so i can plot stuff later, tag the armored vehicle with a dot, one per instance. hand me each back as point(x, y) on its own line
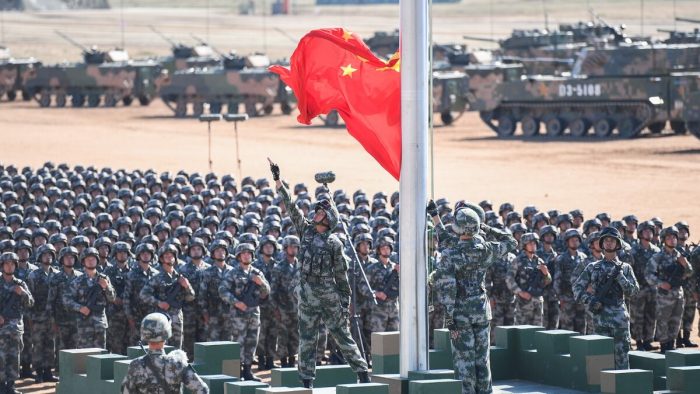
point(187, 56)
point(383, 43)
point(238, 80)
point(683, 37)
point(13, 74)
point(627, 89)
point(102, 77)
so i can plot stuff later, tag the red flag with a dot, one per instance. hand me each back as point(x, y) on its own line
point(334, 69)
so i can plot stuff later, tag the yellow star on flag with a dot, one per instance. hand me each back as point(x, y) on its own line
point(348, 70)
point(347, 35)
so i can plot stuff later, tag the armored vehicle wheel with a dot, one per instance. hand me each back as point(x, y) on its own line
point(331, 120)
point(232, 107)
point(579, 127)
point(93, 100)
point(657, 128)
point(215, 107)
point(197, 109)
point(286, 108)
point(267, 109)
point(678, 127)
point(555, 127)
point(446, 118)
point(628, 128)
point(251, 109)
point(110, 100)
point(77, 100)
point(61, 100)
point(506, 126)
point(127, 100)
point(44, 99)
point(694, 128)
point(11, 95)
point(180, 108)
point(530, 126)
point(26, 96)
point(603, 128)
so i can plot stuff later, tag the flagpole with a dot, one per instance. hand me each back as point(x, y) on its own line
point(415, 79)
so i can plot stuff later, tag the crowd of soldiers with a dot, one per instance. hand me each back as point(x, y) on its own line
point(93, 251)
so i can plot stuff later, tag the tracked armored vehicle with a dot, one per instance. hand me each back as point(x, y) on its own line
point(13, 74)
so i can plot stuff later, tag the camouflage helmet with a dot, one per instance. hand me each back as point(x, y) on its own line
point(673, 230)
point(476, 208)
point(68, 250)
point(646, 225)
point(630, 219)
point(156, 327)
point(267, 239)
point(121, 246)
point(89, 252)
point(168, 248)
point(506, 206)
point(46, 248)
point(530, 210)
point(564, 217)
point(9, 257)
point(548, 229)
point(592, 238)
point(683, 225)
point(527, 238)
point(332, 214)
point(290, 240)
point(145, 247)
point(103, 241)
point(218, 244)
point(363, 237)
point(248, 238)
point(385, 241)
point(517, 228)
point(610, 232)
point(572, 233)
point(196, 241)
point(244, 247)
point(595, 222)
point(467, 222)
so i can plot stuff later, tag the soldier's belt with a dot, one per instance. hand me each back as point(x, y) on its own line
point(318, 279)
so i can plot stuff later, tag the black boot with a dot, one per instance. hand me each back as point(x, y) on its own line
point(26, 372)
point(670, 345)
point(291, 361)
point(308, 383)
point(11, 388)
point(641, 345)
point(679, 340)
point(48, 376)
point(284, 363)
point(363, 377)
point(39, 376)
point(686, 339)
point(650, 345)
point(247, 375)
point(270, 362)
point(262, 363)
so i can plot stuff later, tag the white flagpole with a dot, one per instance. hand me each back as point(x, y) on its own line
point(415, 123)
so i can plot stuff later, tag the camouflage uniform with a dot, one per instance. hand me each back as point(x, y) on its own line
point(590, 320)
point(65, 319)
point(385, 314)
point(364, 300)
point(267, 343)
point(194, 330)
point(285, 278)
point(155, 291)
point(118, 335)
point(12, 329)
point(550, 307)
point(643, 304)
point(135, 308)
point(460, 280)
point(501, 298)
point(218, 327)
point(572, 314)
point(92, 329)
point(23, 270)
point(44, 353)
point(690, 304)
point(518, 278)
point(613, 320)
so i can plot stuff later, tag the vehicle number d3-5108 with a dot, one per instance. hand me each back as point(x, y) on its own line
point(580, 90)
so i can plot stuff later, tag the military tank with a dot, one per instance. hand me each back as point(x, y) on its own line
point(238, 80)
point(107, 77)
point(624, 89)
point(13, 74)
point(682, 37)
point(187, 56)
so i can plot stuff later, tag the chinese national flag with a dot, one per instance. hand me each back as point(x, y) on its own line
point(334, 69)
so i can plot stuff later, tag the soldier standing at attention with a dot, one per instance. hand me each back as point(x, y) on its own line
point(643, 304)
point(324, 290)
point(460, 281)
point(383, 276)
point(572, 314)
point(550, 308)
point(193, 325)
point(64, 319)
point(526, 278)
point(134, 308)
point(118, 331)
point(690, 291)
point(157, 372)
point(285, 278)
point(267, 344)
point(214, 310)
point(602, 286)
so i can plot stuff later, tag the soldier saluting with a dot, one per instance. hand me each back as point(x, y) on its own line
point(324, 290)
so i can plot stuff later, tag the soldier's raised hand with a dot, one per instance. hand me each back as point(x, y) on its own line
point(275, 169)
point(432, 208)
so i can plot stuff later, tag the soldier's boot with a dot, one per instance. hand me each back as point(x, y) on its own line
point(641, 345)
point(270, 362)
point(26, 371)
point(10, 388)
point(247, 375)
point(283, 362)
point(262, 363)
point(48, 376)
point(363, 377)
point(650, 346)
point(291, 361)
point(686, 339)
point(679, 340)
point(39, 376)
point(308, 383)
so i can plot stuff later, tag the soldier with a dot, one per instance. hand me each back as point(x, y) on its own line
point(266, 348)
point(285, 278)
point(193, 320)
point(383, 277)
point(572, 315)
point(595, 254)
point(643, 304)
point(690, 291)
point(242, 289)
point(157, 372)
point(134, 308)
point(62, 317)
point(501, 298)
point(89, 295)
point(214, 311)
point(24, 267)
point(527, 277)
point(43, 354)
point(363, 298)
point(602, 286)
point(104, 248)
point(324, 290)
point(168, 291)
point(118, 335)
point(460, 280)
point(550, 308)
point(16, 300)
point(667, 270)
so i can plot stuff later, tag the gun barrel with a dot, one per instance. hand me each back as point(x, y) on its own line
point(72, 41)
point(474, 38)
point(689, 20)
point(161, 35)
point(669, 31)
point(202, 42)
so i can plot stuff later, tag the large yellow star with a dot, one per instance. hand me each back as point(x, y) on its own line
point(348, 70)
point(347, 35)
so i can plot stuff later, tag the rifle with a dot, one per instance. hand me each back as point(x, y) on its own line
point(93, 296)
point(249, 297)
point(390, 285)
point(10, 307)
point(601, 296)
point(172, 293)
point(534, 283)
point(675, 275)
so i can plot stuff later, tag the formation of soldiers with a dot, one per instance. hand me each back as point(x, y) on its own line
point(98, 250)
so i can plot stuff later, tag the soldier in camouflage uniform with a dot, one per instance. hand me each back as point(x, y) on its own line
point(267, 344)
point(88, 295)
point(690, 290)
point(214, 311)
point(573, 314)
point(666, 271)
point(643, 304)
point(383, 277)
point(324, 290)
point(158, 373)
point(595, 254)
point(501, 298)
point(62, 317)
point(15, 300)
point(242, 289)
point(527, 277)
point(168, 291)
point(24, 268)
point(611, 317)
point(118, 335)
point(363, 297)
point(460, 280)
point(550, 307)
point(134, 308)
point(43, 354)
point(285, 278)
point(192, 314)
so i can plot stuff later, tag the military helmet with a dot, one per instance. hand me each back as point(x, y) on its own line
point(9, 257)
point(603, 217)
point(23, 244)
point(673, 230)
point(290, 240)
point(145, 247)
point(630, 219)
point(196, 241)
point(168, 248)
point(68, 250)
point(332, 214)
point(548, 229)
point(595, 222)
point(513, 216)
point(248, 238)
point(610, 232)
point(89, 252)
point(80, 240)
point(517, 228)
point(476, 208)
point(58, 237)
point(506, 206)
point(541, 217)
point(218, 244)
point(683, 225)
point(572, 233)
point(46, 248)
point(385, 241)
point(646, 225)
point(268, 239)
point(564, 217)
point(121, 246)
point(244, 247)
point(467, 222)
point(527, 238)
point(102, 241)
point(156, 327)
point(592, 237)
point(530, 210)
point(363, 237)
